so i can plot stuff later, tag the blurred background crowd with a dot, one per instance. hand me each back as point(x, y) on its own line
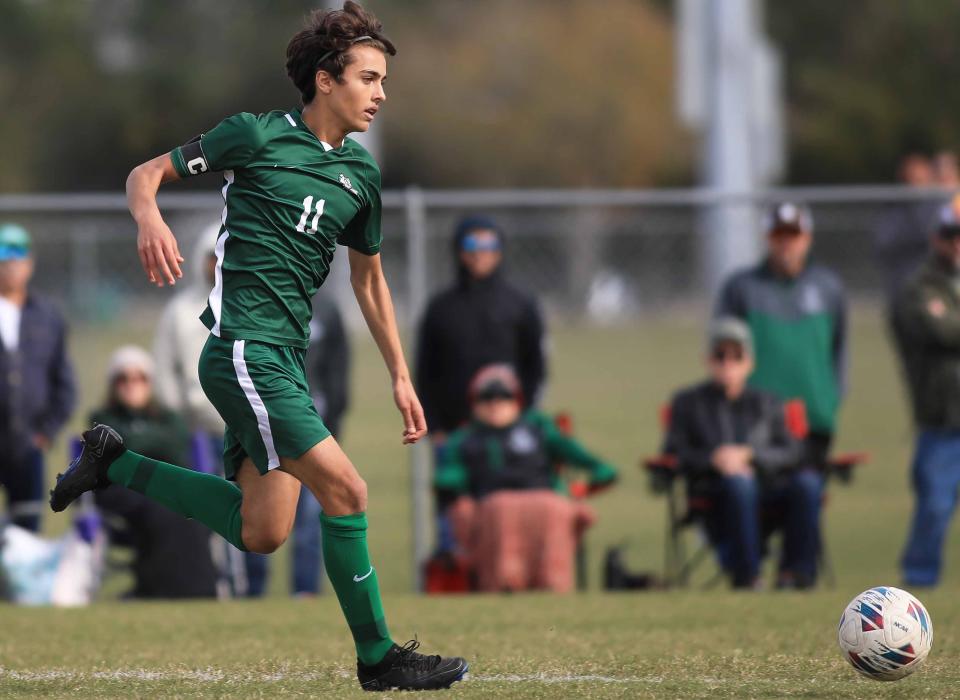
point(659, 247)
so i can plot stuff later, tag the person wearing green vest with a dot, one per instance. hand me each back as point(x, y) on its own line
point(294, 188)
point(797, 313)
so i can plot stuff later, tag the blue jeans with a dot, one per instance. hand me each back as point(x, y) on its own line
point(796, 506)
point(307, 555)
point(746, 514)
point(936, 476)
point(22, 478)
point(735, 528)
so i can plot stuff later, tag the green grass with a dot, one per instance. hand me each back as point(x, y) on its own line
point(662, 645)
point(670, 645)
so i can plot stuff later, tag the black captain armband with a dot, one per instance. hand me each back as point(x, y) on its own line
point(193, 159)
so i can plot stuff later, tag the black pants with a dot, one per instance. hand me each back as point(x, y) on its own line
point(818, 450)
point(172, 557)
point(22, 479)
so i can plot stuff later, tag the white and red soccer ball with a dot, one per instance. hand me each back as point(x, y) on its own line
point(885, 633)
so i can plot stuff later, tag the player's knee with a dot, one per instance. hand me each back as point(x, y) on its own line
point(356, 494)
point(264, 540)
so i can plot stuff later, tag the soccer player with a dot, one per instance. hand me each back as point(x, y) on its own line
point(294, 188)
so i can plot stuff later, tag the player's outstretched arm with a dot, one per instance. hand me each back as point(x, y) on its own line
point(156, 244)
point(373, 296)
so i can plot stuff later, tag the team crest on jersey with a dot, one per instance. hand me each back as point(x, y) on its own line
point(522, 440)
point(345, 181)
point(811, 300)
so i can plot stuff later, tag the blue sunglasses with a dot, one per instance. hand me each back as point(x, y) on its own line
point(476, 244)
point(13, 252)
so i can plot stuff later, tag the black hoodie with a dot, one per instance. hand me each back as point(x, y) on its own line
point(472, 324)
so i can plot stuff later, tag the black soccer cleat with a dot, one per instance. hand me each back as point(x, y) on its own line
point(404, 669)
point(101, 445)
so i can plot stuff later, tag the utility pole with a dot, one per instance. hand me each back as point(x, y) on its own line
point(729, 91)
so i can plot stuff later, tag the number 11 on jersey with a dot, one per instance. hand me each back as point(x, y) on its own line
point(307, 206)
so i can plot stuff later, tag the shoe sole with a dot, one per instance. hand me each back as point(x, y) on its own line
point(377, 687)
point(69, 487)
point(88, 471)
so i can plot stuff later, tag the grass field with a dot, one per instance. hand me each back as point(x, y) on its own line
point(670, 645)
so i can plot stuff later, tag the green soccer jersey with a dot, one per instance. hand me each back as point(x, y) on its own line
point(289, 199)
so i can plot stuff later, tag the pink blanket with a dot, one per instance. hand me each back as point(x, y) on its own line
point(521, 540)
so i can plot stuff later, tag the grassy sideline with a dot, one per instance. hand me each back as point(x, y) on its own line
point(646, 645)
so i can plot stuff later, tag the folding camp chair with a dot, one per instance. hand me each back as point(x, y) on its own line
point(685, 511)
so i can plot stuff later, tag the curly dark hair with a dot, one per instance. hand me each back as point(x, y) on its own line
point(325, 42)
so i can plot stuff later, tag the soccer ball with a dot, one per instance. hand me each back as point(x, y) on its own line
point(885, 633)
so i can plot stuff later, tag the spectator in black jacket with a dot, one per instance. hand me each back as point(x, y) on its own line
point(482, 319)
point(37, 388)
point(734, 447)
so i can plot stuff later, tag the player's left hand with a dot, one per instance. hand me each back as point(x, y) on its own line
point(414, 423)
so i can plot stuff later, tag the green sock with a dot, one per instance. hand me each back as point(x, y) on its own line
point(206, 498)
point(348, 566)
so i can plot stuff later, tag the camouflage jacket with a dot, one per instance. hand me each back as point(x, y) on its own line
point(926, 320)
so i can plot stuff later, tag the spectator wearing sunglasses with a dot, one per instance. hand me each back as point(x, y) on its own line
point(797, 313)
point(511, 511)
point(171, 555)
point(736, 453)
point(481, 319)
point(927, 321)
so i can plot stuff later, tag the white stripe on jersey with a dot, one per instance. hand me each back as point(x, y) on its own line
point(216, 296)
point(227, 181)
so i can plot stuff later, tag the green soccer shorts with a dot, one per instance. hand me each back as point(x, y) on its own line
point(261, 392)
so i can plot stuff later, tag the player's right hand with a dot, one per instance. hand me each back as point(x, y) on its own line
point(159, 253)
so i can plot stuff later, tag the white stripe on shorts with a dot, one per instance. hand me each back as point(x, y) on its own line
point(256, 403)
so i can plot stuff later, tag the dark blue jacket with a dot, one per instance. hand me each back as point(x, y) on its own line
point(37, 386)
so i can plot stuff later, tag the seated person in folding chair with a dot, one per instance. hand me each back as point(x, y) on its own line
point(514, 517)
point(736, 451)
point(172, 556)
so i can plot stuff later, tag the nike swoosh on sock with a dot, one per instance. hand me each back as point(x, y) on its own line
point(358, 579)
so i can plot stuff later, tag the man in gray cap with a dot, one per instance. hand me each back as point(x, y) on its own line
point(927, 329)
point(734, 448)
point(37, 388)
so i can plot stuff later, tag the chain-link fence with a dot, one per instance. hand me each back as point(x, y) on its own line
point(588, 255)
